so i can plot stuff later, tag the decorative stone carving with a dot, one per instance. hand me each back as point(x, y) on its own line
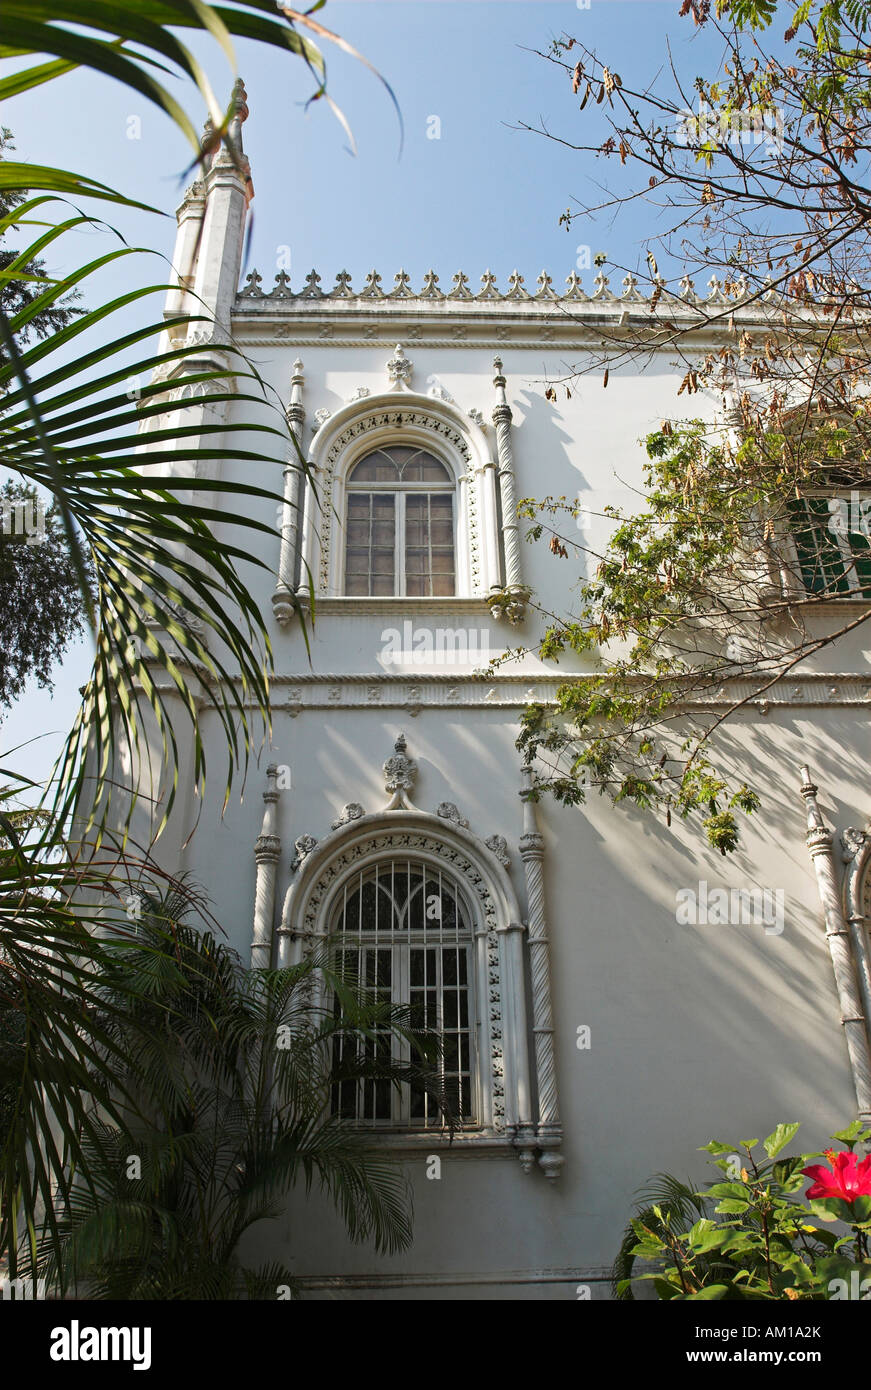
point(282, 288)
point(353, 811)
point(476, 417)
point(688, 290)
point(372, 288)
point(342, 288)
point(303, 846)
point(400, 773)
point(732, 291)
point(515, 286)
point(499, 845)
point(630, 288)
point(509, 604)
point(715, 291)
point(430, 288)
point(402, 287)
point(852, 841)
point(323, 415)
point(252, 290)
point(448, 811)
point(399, 369)
point(461, 287)
point(358, 394)
point(438, 391)
point(602, 282)
point(311, 288)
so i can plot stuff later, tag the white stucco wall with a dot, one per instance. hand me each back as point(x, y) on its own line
point(696, 1031)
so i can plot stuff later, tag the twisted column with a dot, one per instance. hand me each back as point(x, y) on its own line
point(267, 849)
point(283, 600)
point(510, 537)
point(549, 1133)
point(819, 842)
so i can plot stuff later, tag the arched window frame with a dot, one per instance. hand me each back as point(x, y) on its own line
point(503, 1064)
point(519, 1105)
point(419, 421)
point(400, 489)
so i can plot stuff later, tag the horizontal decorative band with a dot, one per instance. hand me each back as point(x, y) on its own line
point(730, 294)
point(596, 1274)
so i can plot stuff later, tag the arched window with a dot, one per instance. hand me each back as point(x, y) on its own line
point(831, 530)
point(400, 525)
point(403, 930)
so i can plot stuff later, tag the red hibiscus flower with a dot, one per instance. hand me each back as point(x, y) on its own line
point(847, 1178)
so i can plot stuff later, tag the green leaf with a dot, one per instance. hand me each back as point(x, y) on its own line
point(16, 177)
point(782, 1136)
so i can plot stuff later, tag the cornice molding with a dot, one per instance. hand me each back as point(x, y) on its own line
point(462, 688)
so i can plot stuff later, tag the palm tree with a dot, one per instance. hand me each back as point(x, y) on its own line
point(233, 1075)
point(161, 589)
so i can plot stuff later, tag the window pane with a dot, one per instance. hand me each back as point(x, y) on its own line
point(429, 544)
point(375, 468)
point(405, 936)
point(423, 468)
point(370, 543)
point(834, 558)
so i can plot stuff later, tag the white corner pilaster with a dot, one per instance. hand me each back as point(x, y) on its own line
point(819, 842)
point(284, 600)
point(549, 1129)
point(228, 191)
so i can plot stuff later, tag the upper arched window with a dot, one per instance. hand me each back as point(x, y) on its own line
point(400, 525)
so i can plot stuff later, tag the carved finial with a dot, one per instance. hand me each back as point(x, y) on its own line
point(502, 409)
point(461, 287)
point(430, 288)
point(342, 288)
point(715, 288)
point(240, 99)
point(252, 290)
point(238, 115)
point(630, 287)
point(401, 286)
point(400, 772)
point(816, 825)
point(602, 282)
point(295, 411)
point(372, 287)
point(312, 288)
point(267, 846)
point(281, 288)
point(516, 290)
point(574, 290)
point(209, 143)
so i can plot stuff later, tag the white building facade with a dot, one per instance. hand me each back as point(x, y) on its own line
point(592, 1037)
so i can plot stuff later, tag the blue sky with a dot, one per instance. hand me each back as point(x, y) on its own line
point(484, 195)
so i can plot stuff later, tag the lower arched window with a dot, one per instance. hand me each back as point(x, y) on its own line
point(403, 930)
